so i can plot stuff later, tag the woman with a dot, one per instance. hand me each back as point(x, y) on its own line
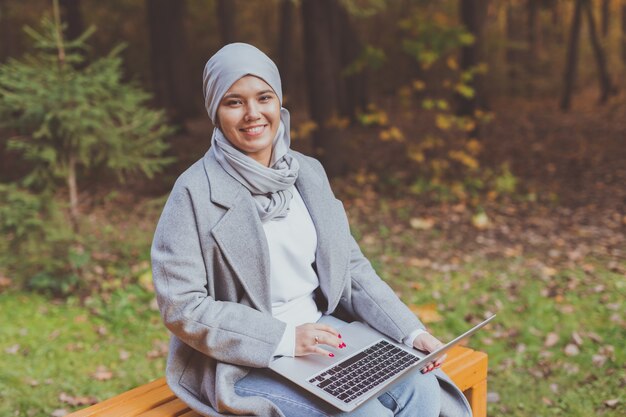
point(253, 258)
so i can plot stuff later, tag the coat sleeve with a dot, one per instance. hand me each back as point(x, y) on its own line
point(226, 331)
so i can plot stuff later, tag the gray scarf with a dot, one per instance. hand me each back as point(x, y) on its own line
point(271, 187)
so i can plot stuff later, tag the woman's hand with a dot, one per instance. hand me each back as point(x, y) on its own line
point(427, 343)
point(310, 336)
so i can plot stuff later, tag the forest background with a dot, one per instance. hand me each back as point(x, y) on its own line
point(478, 147)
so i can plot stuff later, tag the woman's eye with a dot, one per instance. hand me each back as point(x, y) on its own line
point(233, 102)
point(266, 98)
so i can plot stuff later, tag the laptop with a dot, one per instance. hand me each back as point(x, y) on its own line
point(364, 369)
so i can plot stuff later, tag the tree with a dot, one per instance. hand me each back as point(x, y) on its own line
point(606, 88)
point(73, 18)
point(606, 11)
point(533, 35)
point(226, 20)
point(168, 57)
point(472, 14)
point(331, 45)
point(285, 44)
point(624, 32)
point(584, 6)
point(71, 118)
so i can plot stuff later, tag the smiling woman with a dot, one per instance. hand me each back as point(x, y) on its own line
point(253, 259)
point(249, 117)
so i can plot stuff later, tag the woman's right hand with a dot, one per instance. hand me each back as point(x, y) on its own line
point(310, 336)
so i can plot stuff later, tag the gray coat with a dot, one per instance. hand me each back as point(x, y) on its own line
point(210, 264)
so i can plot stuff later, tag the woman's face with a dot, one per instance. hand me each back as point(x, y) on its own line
point(249, 117)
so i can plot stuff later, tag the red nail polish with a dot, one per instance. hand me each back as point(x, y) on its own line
point(343, 344)
point(339, 336)
point(332, 355)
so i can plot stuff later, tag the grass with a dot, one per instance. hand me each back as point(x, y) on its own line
point(556, 349)
point(54, 350)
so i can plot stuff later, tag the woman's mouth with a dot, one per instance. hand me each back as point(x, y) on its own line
point(253, 130)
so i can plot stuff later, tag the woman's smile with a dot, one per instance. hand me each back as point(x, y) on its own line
point(249, 117)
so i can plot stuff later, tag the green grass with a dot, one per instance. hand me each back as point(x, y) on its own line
point(529, 378)
point(49, 348)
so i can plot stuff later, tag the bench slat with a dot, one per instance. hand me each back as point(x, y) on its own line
point(173, 408)
point(101, 408)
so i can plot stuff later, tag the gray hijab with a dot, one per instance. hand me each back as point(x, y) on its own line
point(271, 187)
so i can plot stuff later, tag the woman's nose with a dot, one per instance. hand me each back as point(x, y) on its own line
point(252, 112)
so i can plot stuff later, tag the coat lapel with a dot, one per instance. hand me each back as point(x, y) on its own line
point(333, 250)
point(239, 234)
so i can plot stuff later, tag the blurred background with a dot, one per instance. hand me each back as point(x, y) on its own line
point(478, 147)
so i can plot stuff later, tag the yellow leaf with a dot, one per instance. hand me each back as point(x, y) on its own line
point(421, 223)
point(443, 122)
point(480, 220)
point(473, 146)
point(419, 85)
point(427, 313)
point(452, 63)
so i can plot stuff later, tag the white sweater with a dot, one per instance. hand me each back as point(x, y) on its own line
point(292, 242)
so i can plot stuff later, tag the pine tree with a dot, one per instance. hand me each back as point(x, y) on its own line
point(71, 116)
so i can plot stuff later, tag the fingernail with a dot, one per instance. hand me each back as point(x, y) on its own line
point(344, 345)
point(339, 336)
point(332, 355)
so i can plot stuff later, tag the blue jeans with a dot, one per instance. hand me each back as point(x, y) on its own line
point(416, 396)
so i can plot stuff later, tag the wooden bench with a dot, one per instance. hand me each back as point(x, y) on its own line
point(466, 367)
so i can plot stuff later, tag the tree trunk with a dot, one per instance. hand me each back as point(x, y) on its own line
point(473, 13)
point(353, 89)
point(533, 36)
point(603, 71)
point(73, 190)
point(168, 58)
point(285, 44)
point(606, 12)
point(322, 80)
point(514, 39)
point(73, 18)
point(572, 56)
point(226, 20)
point(624, 33)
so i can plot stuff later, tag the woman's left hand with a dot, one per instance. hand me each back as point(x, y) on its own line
point(427, 343)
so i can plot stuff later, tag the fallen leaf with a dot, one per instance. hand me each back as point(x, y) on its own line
point(59, 412)
point(80, 319)
point(419, 262)
point(598, 360)
point(101, 330)
point(102, 374)
point(124, 355)
point(571, 350)
point(551, 340)
point(84, 400)
point(160, 349)
point(612, 403)
point(547, 401)
point(480, 221)
point(493, 397)
point(427, 313)
point(577, 339)
point(12, 350)
point(421, 223)
point(595, 337)
point(4, 281)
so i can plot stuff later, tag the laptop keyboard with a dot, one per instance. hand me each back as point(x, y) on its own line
point(359, 374)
